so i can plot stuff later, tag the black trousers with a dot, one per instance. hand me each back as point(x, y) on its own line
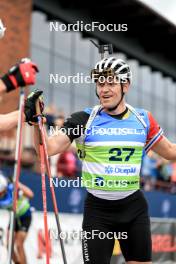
point(126, 219)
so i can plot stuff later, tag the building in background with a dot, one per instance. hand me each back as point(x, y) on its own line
point(67, 53)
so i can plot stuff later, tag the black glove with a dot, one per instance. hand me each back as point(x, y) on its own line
point(22, 74)
point(30, 106)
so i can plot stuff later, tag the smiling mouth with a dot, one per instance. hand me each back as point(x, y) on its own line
point(106, 97)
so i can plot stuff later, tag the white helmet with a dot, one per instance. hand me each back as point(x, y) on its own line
point(3, 183)
point(112, 65)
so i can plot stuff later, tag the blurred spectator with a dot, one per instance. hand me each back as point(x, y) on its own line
point(149, 171)
point(51, 112)
point(28, 157)
point(157, 173)
point(164, 170)
point(173, 175)
point(59, 120)
point(173, 178)
point(68, 164)
point(54, 118)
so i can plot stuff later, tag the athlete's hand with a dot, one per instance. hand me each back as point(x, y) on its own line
point(30, 107)
point(20, 75)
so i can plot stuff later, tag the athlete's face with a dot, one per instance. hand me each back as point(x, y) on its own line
point(110, 93)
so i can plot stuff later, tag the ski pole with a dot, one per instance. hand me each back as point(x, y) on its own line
point(16, 175)
point(42, 167)
point(56, 212)
point(17, 168)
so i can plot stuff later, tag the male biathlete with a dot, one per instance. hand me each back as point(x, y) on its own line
point(23, 214)
point(20, 75)
point(112, 149)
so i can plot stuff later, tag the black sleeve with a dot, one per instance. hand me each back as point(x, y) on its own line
point(74, 125)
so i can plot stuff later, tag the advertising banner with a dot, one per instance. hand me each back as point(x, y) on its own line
point(35, 242)
point(163, 240)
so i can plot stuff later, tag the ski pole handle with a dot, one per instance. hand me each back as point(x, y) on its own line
point(38, 113)
point(37, 107)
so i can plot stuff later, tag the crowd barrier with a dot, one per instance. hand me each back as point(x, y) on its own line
point(163, 240)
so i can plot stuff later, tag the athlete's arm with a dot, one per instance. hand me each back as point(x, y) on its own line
point(157, 142)
point(55, 144)
point(155, 133)
point(60, 142)
point(63, 137)
point(165, 148)
point(26, 190)
point(8, 121)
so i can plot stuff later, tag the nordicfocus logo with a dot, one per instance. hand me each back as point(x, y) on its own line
point(81, 78)
point(79, 235)
point(93, 182)
point(95, 130)
point(80, 26)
